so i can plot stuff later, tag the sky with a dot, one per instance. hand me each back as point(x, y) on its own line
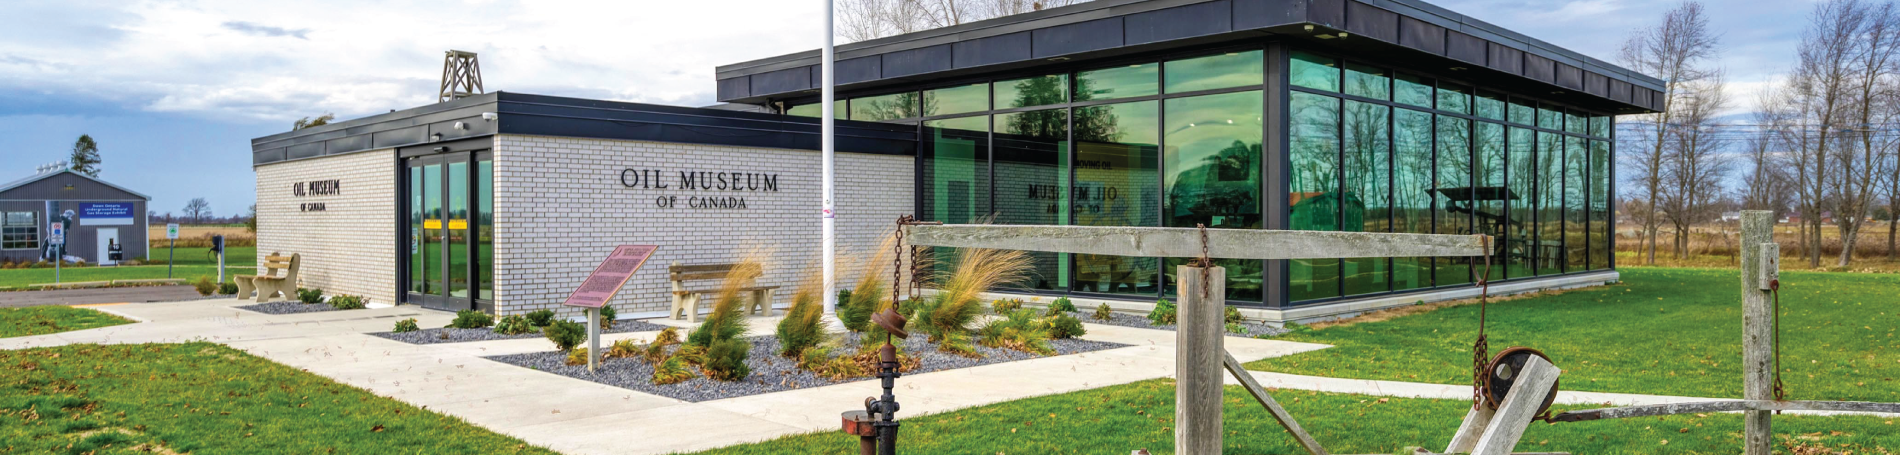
point(173, 91)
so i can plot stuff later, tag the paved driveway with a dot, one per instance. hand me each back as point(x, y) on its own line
point(141, 294)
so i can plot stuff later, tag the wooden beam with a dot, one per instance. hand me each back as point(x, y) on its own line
point(1476, 420)
point(1758, 334)
point(1519, 407)
point(1197, 339)
point(1699, 407)
point(1273, 407)
point(1186, 242)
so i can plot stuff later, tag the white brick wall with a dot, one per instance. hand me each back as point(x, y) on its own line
point(561, 207)
point(350, 247)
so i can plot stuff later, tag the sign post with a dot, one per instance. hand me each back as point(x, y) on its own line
point(171, 233)
point(601, 286)
point(58, 240)
point(217, 243)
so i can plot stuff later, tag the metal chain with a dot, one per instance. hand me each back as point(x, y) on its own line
point(1206, 263)
point(1480, 349)
point(1781, 391)
point(897, 258)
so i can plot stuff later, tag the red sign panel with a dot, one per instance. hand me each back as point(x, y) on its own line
point(610, 276)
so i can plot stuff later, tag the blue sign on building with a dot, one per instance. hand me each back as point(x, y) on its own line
point(106, 214)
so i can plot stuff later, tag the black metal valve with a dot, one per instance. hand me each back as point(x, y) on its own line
point(876, 426)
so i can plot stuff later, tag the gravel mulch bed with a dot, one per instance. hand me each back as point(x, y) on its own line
point(287, 307)
point(434, 336)
point(770, 372)
point(1142, 322)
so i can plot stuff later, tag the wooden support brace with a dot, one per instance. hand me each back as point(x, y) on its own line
point(1476, 421)
point(1273, 407)
point(1699, 407)
point(1528, 390)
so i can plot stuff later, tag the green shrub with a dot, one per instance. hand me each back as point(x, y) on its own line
point(672, 370)
point(204, 285)
point(1064, 326)
point(803, 326)
point(406, 325)
point(309, 295)
point(607, 316)
point(1102, 312)
point(1061, 305)
point(1019, 330)
point(1006, 306)
point(1235, 327)
point(856, 306)
point(540, 318)
point(1164, 313)
point(565, 334)
point(513, 325)
point(1232, 316)
point(347, 302)
point(725, 360)
point(623, 348)
point(227, 288)
point(471, 319)
point(726, 320)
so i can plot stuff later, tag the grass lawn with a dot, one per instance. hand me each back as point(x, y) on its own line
point(41, 320)
point(204, 398)
point(234, 255)
point(1122, 418)
point(23, 277)
point(1660, 331)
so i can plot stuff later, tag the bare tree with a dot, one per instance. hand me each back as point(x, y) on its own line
point(1862, 162)
point(861, 20)
point(197, 209)
point(1767, 185)
point(1676, 50)
point(1694, 166)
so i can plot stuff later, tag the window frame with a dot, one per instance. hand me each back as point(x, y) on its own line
point(31, 228)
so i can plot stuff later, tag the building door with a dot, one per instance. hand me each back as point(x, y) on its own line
point(450, 219)
point(107, 238)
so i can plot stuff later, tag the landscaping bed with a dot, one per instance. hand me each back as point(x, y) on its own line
point(453, 335)
point(286, 307)
point(1254, 329)
point(774, 373)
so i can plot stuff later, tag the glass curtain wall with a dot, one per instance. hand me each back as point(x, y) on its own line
point(1377, 150)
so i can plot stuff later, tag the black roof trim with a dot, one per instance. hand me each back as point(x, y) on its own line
point(737, 82)
point(542, 115)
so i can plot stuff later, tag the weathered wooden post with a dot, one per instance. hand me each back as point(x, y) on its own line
point(1758, 331)
point(1197, 360)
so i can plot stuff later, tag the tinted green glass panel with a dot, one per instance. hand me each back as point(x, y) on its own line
point(1523, 112)
point(1033, 91)
point(1313, 189)
point(1411, 191)
point(418, 235)
point(1368, 81)
point(957, 100)
point(1118, 82)
point(1490, 105)
point(1117, 183)
point(1212, 165)
point(1520, 244)
point(1366, 202)
point(1550, 197)
point(1453, 201)
point(1314, 71)
point(815, 110)
point(1550, 118)
point(1454, 98)
point(1413, 90)
point(885, 107)
point(485, 228)
point(1576, 215)
point(1600, 235)
point(1490, 193)
point(1600, 125)
point(1032, 174)
point(1574, 123)
point(956, 169)
point(1233, 69)
point(456, 236)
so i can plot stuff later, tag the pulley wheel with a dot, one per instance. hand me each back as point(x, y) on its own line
point(1503, 371)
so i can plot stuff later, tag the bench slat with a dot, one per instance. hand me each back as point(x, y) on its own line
point(277, 258)
point(698, 276)
point(716, 291)
point(273, 265)
point(701, 268)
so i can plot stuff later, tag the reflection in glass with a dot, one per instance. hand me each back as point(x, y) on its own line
point(456, 232)
point(1453, 195)
point(1489, 193)
point(1600, 125)
point(1411, 191)
point(1520, 248)
point(1576, 216)
point(1574, 123)
point(1367, 203)
point(815, 110)
point(1212, 164)
point(1523, 111)
point(1550, 197)
point(955, 156)
point(1600, 235)
point(1314, 71)
point(1032, 174)
point(1550, 118)
point(485, 228)
point(419, 233)
point(1232, 69)
point(1032, 91)
point(1454, 98)
point(1368, 81)
point(1413, 90)
point(1118, 82)
point(1117, 184)
point(1490, 105)
point(956, 100)
point(885, 107)
point(1313, 193)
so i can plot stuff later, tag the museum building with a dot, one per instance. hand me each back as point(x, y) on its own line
point(1339, 115)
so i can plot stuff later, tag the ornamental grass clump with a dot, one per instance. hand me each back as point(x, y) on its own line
point(540, 318)
point(656, 351)
point(804, 324)
point(725, 352)
point(204, 285)
point(1164, 313)
point(1019, 330)
point(625, 347)
point(471, 319)
point(1102, 313)
point(577, 357)
point(1061, 305)
point(607, 316)
point(856, 307)
point(673, 370)
point(513, 325)
point(565, 334)
point(1003, 307)
point(406, 325)
point(946, 316)
point(725, 360)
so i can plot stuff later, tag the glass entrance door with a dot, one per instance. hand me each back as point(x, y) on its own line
point(450, 222)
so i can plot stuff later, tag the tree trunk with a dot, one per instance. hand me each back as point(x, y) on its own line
point(1850, 233)
point(1814, 232)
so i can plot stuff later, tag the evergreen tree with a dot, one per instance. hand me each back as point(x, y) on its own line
point(85, 159)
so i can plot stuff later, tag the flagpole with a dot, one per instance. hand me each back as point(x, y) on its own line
point(827, 150)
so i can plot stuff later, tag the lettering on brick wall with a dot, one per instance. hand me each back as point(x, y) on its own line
point(311, 188)
point(700, 182)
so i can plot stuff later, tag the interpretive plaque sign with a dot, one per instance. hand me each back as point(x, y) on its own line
point(610, 276)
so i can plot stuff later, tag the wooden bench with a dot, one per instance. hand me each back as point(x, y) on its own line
point(270, 284)
point(686, 297)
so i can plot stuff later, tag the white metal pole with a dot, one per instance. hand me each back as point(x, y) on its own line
point(826, 149)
